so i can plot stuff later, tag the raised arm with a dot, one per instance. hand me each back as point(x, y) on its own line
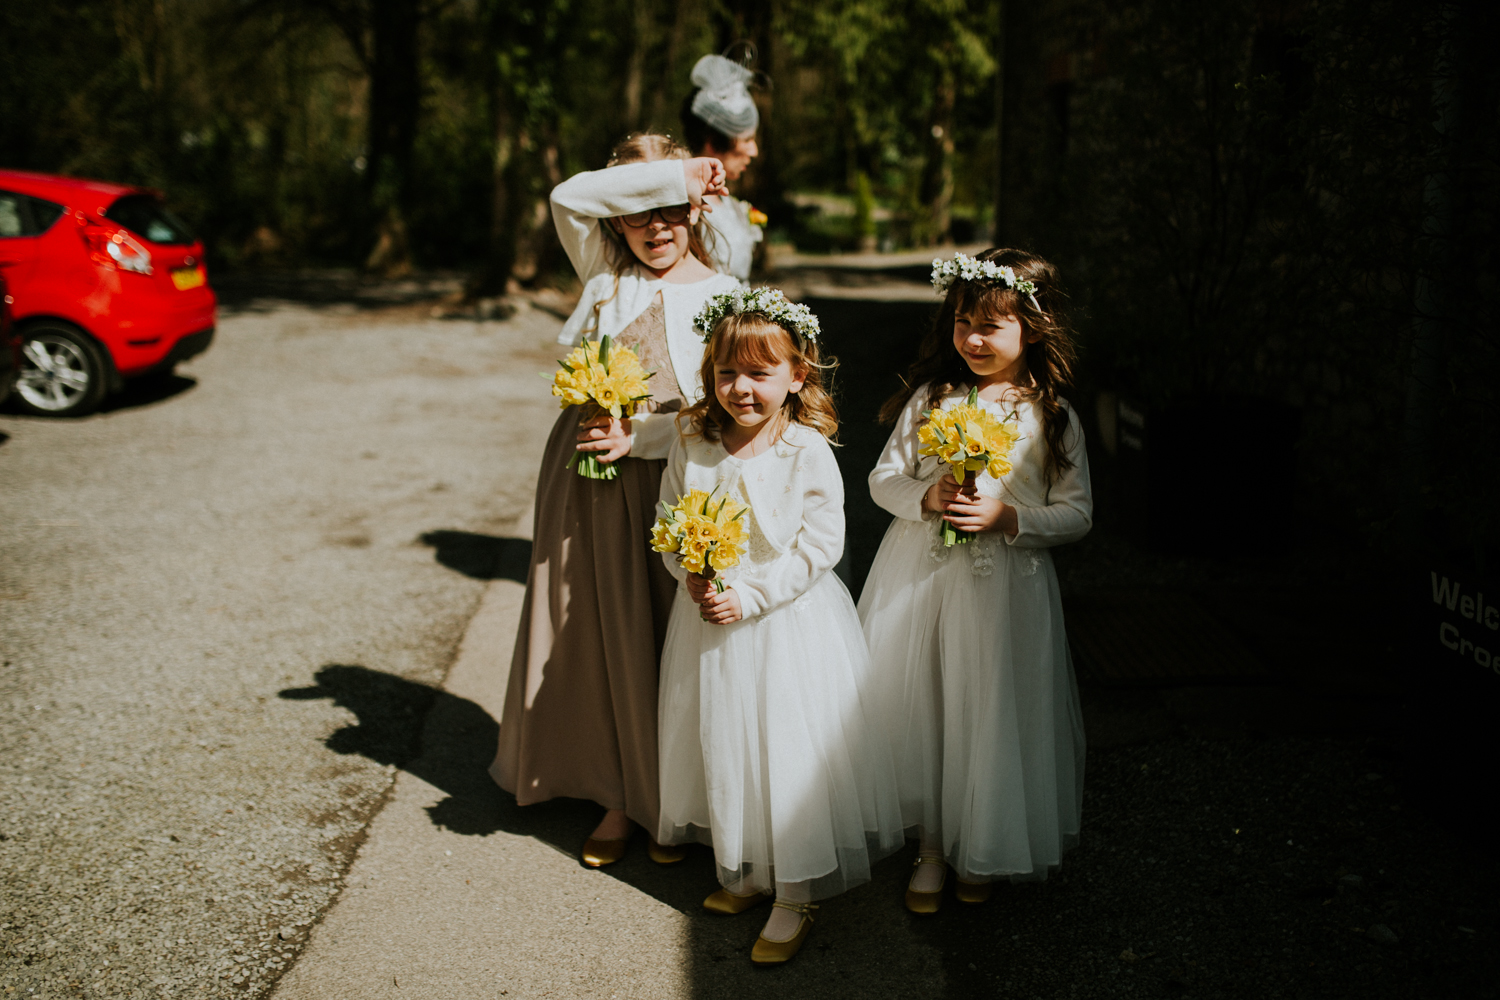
point(1069, 512)
point(817, 546)
point(581, 201)
point(894, 484)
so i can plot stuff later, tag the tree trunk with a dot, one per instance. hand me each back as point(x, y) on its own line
point(501, 259)
point(546, 251)
point(937, 172)
point(395, 100)
point(635, 66)
point(1013, 60)
point(997, 233)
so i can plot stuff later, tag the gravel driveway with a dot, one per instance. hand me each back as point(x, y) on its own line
point(169, 826)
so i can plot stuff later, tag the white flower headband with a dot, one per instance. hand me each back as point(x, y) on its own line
point(768, 302)
point(966, 268)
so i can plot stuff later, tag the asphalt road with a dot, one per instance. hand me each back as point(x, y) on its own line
point(174, 573)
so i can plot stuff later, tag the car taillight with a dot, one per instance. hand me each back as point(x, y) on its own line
point(119, 249)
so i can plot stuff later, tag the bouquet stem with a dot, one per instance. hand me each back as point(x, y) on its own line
point(952, 536)
point(587, 465)
point(709, 574)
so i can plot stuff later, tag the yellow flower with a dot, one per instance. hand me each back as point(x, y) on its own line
point(664, 537)
point(968, 439)
point(758, 218)
point(610, 377)
point(703, 530)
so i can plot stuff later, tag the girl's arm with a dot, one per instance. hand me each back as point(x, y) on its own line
point(893, 482)
point(581, 201)
point(818, 544)
point(1069, 513)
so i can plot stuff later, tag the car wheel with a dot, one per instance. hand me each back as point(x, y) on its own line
point(63, 372)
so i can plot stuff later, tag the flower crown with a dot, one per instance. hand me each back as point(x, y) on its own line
point(769, 302)
point(965, 268)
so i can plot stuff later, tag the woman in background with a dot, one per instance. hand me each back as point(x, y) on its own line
point(719, 120)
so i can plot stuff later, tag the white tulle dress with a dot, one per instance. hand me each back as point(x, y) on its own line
point(971, 672)
point(767, 748)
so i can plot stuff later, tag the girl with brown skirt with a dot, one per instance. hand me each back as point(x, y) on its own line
point(580, 708)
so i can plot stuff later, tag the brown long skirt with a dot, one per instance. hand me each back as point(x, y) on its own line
point(580, 709)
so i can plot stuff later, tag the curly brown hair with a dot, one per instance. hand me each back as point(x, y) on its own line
point(751, 337)
point(1048, 361)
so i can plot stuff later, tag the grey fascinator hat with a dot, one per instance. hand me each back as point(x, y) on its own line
point(723, 99)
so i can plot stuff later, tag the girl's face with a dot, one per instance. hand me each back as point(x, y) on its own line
point(994, 346)
point(753, 392)
point(659, 244)
point(736, 158)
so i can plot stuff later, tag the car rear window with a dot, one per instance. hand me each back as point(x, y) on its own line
point(145, 216)
point(23, 215)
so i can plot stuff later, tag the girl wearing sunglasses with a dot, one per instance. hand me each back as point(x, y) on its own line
point(580, 709)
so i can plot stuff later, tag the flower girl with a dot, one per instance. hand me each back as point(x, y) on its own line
point(766, 746)
point(970, 664)
point(580, 708)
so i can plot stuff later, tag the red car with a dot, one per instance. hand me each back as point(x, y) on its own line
point(105, 284)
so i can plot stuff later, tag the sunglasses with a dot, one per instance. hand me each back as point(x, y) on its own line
point(671, 215)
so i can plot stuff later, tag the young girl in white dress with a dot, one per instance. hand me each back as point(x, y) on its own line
point(580, 708)
point(767, 750)
point(971, 670)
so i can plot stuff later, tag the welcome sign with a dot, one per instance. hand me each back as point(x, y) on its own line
point(1454, 684)
point(1467, 625)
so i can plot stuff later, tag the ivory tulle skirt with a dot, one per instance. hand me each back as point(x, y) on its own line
point(972, 679)
point(767, 747)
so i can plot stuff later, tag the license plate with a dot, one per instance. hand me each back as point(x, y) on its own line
point(188, 277)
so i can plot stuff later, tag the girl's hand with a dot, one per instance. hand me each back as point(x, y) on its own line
point(700, 588)
point(704, 175)
point(944, 491)
point(720, 609)
point(608, 434)
point(970, 512)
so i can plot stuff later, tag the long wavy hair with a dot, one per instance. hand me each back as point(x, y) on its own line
point(1048, 366)
point(754, 339)
point(646, 147)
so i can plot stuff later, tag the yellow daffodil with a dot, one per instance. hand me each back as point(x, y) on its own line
point(968, 439)
point(707, 534)
point(609, 378)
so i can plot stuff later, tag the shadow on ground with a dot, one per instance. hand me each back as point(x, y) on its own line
point(449, 742)
point(144, 390)
point(259, 291)
point(481, 557)
point(147, 390)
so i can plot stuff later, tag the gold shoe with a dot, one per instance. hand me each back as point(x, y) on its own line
point(926, 902)
point(972, 892)
point(598, 853)
point(768, 952)
point(729, 903)
point(665, 854)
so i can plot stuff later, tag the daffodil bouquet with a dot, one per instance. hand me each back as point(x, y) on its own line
point(607, 377)
point(967, 438)
point(707, 536)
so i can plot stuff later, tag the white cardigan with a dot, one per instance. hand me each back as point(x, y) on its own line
point(579, 205)
point(796, 499)
point(1045, 517)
